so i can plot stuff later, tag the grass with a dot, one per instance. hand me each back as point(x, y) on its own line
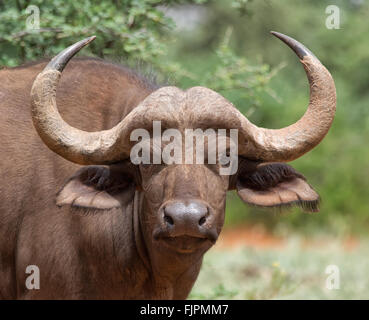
point(294, 271)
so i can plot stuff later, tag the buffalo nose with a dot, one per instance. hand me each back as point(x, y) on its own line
point(189, 215)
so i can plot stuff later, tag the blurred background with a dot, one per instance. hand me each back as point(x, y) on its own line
point(226, 46)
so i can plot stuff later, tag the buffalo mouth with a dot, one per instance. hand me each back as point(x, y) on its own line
point(183, 243)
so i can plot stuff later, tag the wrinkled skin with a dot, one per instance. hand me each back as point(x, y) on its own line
point(97, 232)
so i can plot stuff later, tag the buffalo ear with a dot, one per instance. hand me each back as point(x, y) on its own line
point(277, 185)
point(97, 187)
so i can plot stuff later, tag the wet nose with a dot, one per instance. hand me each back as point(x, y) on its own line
point(186, 216)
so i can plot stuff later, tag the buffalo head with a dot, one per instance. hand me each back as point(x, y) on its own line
point(183, 205)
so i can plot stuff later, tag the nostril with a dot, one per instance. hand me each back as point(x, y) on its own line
point(202, 220)
point(168, 220)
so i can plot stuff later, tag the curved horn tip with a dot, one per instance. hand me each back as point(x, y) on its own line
point(300, 50)
point(60, 61)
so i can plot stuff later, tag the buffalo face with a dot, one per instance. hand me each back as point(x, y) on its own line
point(185, 203)
point(182, 207)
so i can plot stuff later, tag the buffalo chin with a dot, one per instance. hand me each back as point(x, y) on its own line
point(184, 243)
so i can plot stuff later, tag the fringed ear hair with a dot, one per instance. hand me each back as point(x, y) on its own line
point(277, 185)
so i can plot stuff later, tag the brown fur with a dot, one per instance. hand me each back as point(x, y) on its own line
point(32, 229)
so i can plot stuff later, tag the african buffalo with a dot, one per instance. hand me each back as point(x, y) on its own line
point(100, 227)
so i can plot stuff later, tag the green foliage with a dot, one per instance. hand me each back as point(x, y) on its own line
point(241, 5)
point(129, 28)
point(231, 75)
point(233, 72)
